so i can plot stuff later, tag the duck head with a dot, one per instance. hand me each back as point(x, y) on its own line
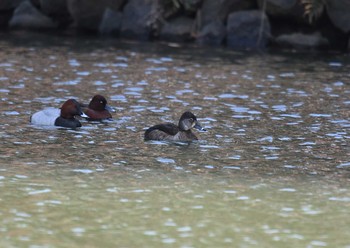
point(70, 109)
point(99, 103)
point(188, 121)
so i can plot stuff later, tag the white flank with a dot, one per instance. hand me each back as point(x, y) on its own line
point(46, 117)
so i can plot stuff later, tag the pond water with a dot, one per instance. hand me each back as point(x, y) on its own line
point(273, 169)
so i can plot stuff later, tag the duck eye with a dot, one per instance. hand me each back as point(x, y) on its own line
point(101, 102)
point(191, 120)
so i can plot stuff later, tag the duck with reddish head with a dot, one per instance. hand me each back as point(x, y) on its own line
point(64, 117)
point(172, 132)
point(98, 109)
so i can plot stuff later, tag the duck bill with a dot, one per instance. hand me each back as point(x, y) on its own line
point(109, 108)
point(199, 127)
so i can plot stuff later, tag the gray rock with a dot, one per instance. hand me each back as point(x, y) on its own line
point(56, 9)
point(283, 8)
point(10, 4)
point(212, 34)
point(87, 14)
point(302, 41)
point(177, 30)
point(248, 29)
point(338, 11)
point(214, 10)
point(111, 22)
point(6, 9)
point(140, 18)
point(27, 16)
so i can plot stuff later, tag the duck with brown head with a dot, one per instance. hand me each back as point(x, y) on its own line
point(97, 109)
point(172, 132)
point(64, 117)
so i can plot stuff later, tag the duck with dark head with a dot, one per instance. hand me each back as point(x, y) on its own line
point(63, 117)
point(172, 132)
point(97, 109)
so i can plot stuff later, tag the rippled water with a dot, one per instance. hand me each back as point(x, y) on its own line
point(272, 171)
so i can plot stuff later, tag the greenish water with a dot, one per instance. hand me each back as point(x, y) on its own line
point(273, 169)
point(152, 208)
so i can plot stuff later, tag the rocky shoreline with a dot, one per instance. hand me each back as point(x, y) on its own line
point(237, 24)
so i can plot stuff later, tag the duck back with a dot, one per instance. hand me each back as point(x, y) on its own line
point(46, 117)
point(170, 132)
point(161, 132)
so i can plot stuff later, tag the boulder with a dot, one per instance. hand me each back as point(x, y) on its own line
point(284, 9)
point(87, 14)
point(140, 18)
point(212, 34)
point(338, 11)
point(191, 6)
point(219, 9)
point(56, 9)
point(7, 8)
point(27, 16)
point(212, 16)
point(177, 30)
point(10, 4)
point(111, 22)
point(302, 41)
point(248, 29)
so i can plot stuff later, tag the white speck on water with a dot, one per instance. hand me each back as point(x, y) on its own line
point(287, 75)
point(73, 62)
point(335, 64)
point(166, 160)
point(78, 230)
point(320, 115)
point(11, 113)
point(84, 171)
point(184, 229)
point(150, 233)
point(344, 165)
point(83, 73)
point(36, 192)
point(288, 190)
point(71, 82)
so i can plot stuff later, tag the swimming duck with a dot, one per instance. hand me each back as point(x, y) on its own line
point(172, 132)
point(97, 109)
point(64, 117)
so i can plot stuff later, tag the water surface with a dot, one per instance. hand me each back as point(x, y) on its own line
point(272, 170)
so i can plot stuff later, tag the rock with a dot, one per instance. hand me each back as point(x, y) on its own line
point(140, 18)
point(7, 8)
point(87, 14)
point(191, 5)
point(10, 4)
point(177, 30)
point(302, 41)
point(338, 11)
point(111, 22)
point(212, 16)
point(214, 10)
point(283, 8)
point(27, 16)
point(212, 34)
point(248, 29)
point(56, 9)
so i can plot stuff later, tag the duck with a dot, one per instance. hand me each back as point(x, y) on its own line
point(97, 109)
point(172, 132)
point(63, 117)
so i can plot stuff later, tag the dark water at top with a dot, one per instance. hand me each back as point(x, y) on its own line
point(272, 171)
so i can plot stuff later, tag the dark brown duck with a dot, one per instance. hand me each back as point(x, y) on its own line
point(97, 109)
point(172, 132)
